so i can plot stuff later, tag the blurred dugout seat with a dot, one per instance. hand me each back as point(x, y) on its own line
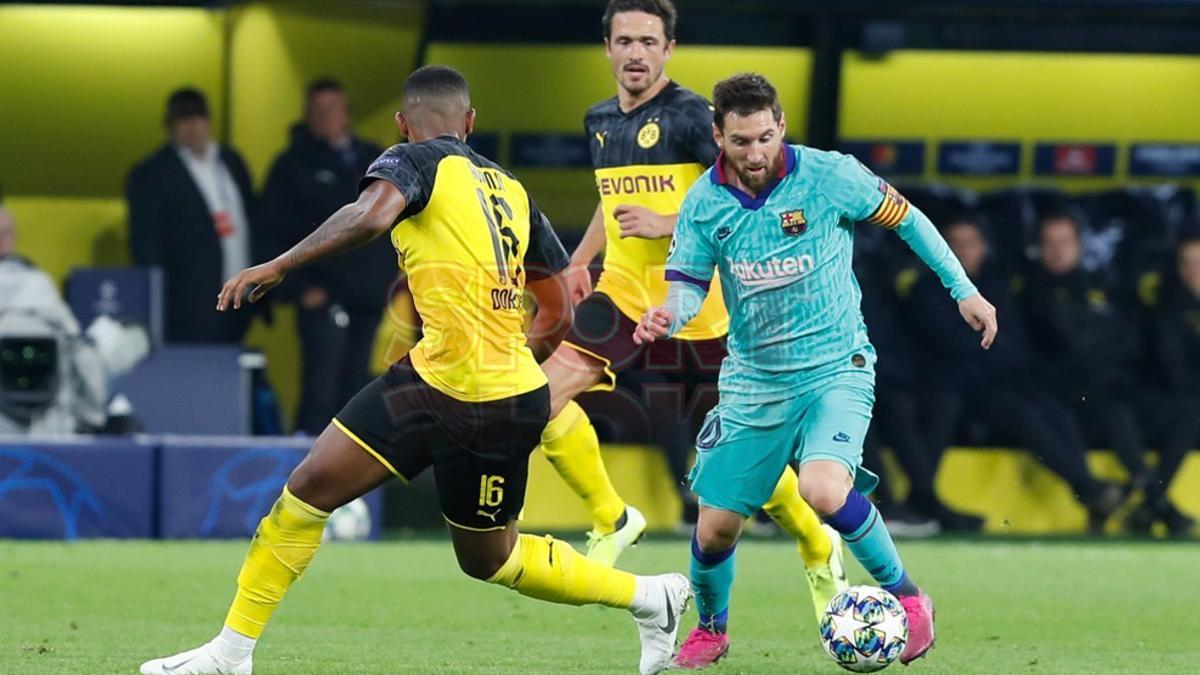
point(1134, 230)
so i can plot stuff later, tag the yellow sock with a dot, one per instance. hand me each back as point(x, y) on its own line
point(549, 569)
point(798, 519)
point(281, 550)
point(570, 443)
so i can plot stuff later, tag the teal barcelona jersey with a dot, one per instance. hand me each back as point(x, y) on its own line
point(785, 263)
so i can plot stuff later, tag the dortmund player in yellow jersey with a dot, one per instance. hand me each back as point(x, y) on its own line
point(649, 144)
point(469, 399)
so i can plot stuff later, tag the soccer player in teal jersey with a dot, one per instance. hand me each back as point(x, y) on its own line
point(777, 221)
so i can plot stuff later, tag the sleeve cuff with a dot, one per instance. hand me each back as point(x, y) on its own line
point(963, 291)
point(676, 275)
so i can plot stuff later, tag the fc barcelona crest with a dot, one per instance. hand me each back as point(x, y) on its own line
point(793, 222)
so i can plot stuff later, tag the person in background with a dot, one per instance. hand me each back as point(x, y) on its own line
point(23, 285)
point(52, 378)
point(896, 421)
point(190, 213)
point(1083, 332)
point(340, 301)
point(997, 386)
point(1175, 370)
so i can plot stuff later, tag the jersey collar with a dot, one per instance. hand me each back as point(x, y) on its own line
point(718, 177)
point(671, 86)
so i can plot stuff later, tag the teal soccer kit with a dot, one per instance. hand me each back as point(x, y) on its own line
point(798, 383)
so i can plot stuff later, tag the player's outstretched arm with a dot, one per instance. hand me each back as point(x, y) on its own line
point(555, 314)
point(349, 227)
point(924, 239)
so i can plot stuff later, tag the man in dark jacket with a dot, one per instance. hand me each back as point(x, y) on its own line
point(997, 386)
point(897, 414)
point(1172, 406)
point(1084, 333)
point(340, 302)
point(190, 208)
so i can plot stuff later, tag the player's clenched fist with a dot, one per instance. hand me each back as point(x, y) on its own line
point(654, 324)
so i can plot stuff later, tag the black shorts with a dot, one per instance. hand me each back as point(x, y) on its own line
point(479, 451)
point(603, 332)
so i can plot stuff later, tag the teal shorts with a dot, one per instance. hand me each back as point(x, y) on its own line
point(742, 449)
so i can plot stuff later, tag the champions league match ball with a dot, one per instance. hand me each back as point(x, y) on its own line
point(349, 523)
point(864, 629)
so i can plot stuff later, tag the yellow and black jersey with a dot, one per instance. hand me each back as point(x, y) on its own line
point(649, 157)
point(468, 239)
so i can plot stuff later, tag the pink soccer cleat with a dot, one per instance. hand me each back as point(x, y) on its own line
point(701, 649)
point(919, 610)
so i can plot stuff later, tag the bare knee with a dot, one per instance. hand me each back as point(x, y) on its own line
point(310, 484)
point(824, 485)
point(481, 566)
point(717, 530)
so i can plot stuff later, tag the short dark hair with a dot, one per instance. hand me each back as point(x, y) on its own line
point(1188, 239)
point(744, 94)
point(186, 102)
point(968, 218)
point(322, 84)
point(663, 9)
point(960, 219)
point(1058, 214)
point(435, 82)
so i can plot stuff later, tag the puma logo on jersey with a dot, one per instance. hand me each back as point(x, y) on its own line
point(490, 516)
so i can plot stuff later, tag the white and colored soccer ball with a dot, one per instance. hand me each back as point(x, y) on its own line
point(350, 522)
point(864, 629)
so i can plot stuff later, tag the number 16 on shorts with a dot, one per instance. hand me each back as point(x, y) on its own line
point(491, 490)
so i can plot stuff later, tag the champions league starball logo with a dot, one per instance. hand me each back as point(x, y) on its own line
point(244, 488)
point(36, 478)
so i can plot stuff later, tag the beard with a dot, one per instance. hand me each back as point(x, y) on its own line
point(759, 181)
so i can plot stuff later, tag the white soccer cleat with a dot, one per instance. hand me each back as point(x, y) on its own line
point(200, 661)
point(658, 631)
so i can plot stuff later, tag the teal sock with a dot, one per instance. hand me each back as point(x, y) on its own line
point(712, 580)
point(866, 536)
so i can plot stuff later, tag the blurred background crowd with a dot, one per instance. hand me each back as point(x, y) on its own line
point(1093, 263)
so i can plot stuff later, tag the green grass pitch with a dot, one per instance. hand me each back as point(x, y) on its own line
point(403, 607)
